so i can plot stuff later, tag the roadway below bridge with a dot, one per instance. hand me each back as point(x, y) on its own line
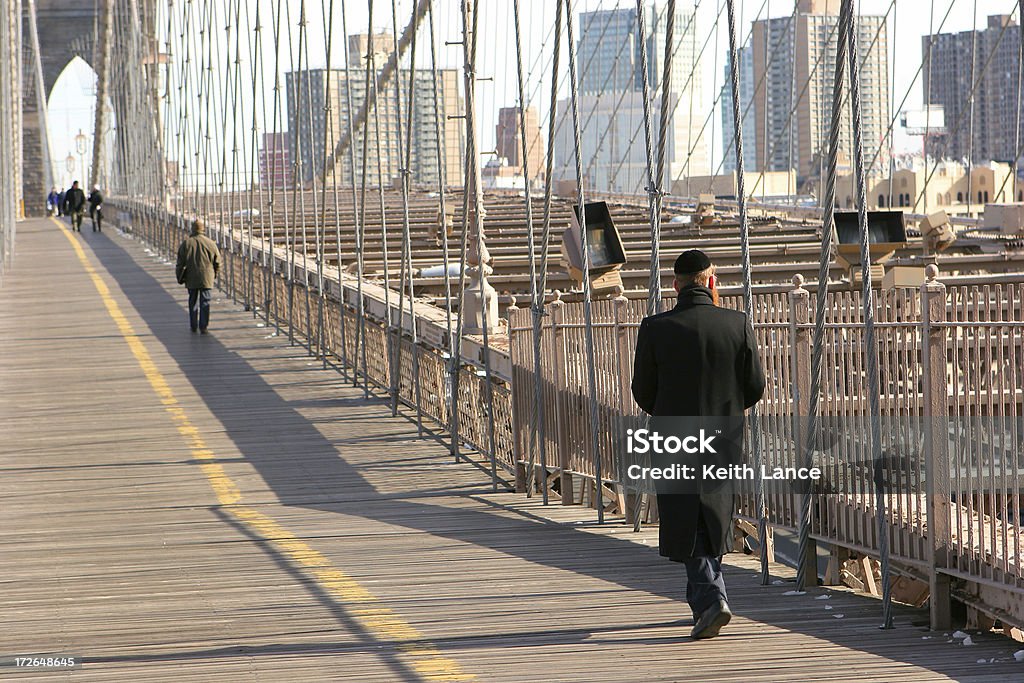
point(222, 507)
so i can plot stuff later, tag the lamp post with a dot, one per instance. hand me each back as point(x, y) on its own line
point(80, 141)
point(70, 163)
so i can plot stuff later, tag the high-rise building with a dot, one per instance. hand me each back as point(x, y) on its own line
point(360, 44)
point(949, 81)
point(509, 141)
point(275, 161)
point(321, 120)
point(611, 100)
point(746, 74)
point(794, 67)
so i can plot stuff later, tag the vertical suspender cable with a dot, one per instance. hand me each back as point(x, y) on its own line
point(405, 270)
point(821, 301)
point(540, 433)
point(870, 347)
point(1020, 93)
point(653, 188)
point(276, 314)
point(357, 213)
point(588, 318)
point(755, 429)
point(970, 116)
point(317, 233)
point(667, 109)
point(889, 133)
point(470, 44)
point(440, 126)
point(328, 126)
point(258, 93)
point(295, 143)
point(361, 228)
point(927, 93)
point(389, 338)
point(537, 408)
point(303, 74)
point(470, 195)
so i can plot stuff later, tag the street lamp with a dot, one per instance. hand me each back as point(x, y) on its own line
point(80, 141)
point(70, 163)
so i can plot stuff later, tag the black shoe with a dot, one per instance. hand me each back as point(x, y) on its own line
point(712, 621)
point(194, 330)
point(202, 330)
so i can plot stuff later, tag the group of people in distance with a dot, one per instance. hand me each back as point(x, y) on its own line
point(71, 203)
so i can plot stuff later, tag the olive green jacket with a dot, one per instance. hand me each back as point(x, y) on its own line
point(198, 262)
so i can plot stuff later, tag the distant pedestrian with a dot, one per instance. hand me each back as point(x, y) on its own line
point(96, 209)
point(52, 202)
point(698, 361)
point(60, 202)
point(197, 268)
point(74, 206)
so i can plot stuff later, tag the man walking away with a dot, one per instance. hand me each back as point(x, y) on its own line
point(74, 205)
point(698, 360)
point(197, 268)
point(96, 209)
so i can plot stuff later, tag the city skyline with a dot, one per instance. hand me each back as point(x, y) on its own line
point(908, 26)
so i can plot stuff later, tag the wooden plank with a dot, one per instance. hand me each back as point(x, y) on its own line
point(116, 548)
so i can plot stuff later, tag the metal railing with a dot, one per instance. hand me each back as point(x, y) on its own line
point(952, 380)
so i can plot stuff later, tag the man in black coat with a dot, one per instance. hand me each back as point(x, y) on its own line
point(74, 206)
point(96, 208)
point(698, 361)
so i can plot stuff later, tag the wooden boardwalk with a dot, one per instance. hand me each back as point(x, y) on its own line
point(183, 507)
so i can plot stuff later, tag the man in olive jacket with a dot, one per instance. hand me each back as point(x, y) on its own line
point(698, 360)
point(197, 268)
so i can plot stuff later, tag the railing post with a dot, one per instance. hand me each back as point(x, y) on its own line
point(519, 393)
point(558, 382)
point(936, 444)
point(630, 498)
point(800, 367)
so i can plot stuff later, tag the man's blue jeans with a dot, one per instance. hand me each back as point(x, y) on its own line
point(199, 308)
point(705, 584)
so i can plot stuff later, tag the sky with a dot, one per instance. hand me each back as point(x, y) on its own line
point(908, 20)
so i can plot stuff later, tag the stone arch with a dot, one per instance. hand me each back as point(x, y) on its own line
point(65, 32)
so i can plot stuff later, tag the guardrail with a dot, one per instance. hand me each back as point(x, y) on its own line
point(950, 363)
point(360, 326)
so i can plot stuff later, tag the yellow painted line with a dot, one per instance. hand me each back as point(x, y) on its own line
point(381, 621)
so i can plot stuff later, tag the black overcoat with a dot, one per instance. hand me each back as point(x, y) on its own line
point(696, 360)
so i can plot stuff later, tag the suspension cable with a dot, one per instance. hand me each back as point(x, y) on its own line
point(755, 432)
point(868, 302)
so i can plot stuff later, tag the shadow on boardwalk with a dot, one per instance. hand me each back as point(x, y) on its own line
point(318, 476)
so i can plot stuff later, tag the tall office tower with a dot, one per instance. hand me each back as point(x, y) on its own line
point(509, 141)
point(794, 67)
point(313, 93)
point(746, 73)
point(949, 82)
point(611, 100)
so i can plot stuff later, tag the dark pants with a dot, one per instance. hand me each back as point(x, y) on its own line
point(76, 220)
point(705, 584)
point(199, 308)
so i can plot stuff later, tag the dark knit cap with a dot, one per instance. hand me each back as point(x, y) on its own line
point(691, 261)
